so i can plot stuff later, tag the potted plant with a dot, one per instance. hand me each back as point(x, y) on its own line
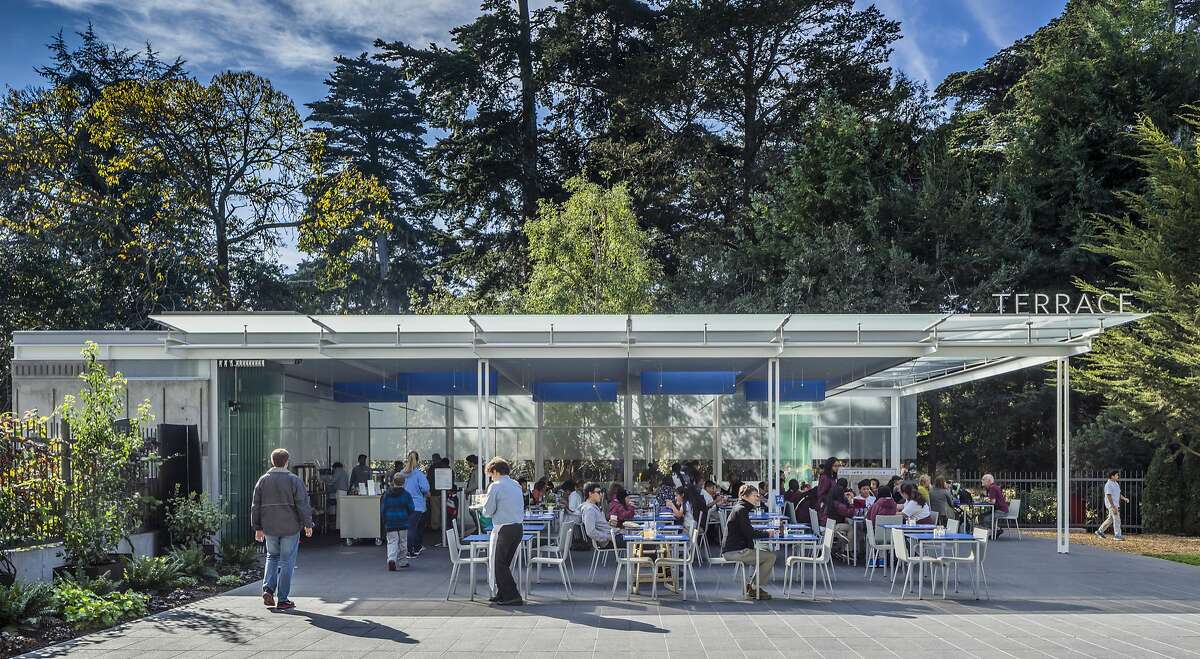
point(193, 519)
point(101, 504)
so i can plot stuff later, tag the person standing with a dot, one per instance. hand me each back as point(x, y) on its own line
point(505, 506)
point(397, 508)
point(361, 473)
point(1112, 501)
point(418, 488)
point(279, 510)
point(739, 541)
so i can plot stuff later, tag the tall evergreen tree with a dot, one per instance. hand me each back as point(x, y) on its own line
point(371, 120)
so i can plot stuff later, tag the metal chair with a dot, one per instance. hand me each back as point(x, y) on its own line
point(627, 562)
point(599, 553)
point(457, 560)
point(558, 558)
point(1013, 516)
point(875, 549)
point(684, 563)
point(822, 560)
point(900, 548)
point(737, 567)
point(981, 536)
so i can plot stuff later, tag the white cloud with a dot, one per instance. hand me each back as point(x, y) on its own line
point(982, 13)
point(912, 58)
point(291, 35)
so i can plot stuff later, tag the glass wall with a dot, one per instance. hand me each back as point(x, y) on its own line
point(583, 441)
point(670, 429)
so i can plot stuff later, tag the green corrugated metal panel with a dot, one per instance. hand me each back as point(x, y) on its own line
point(247, 438)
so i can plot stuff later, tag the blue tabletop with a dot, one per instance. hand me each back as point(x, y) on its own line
point(661, 537)
point(484, 537)
point(948, 536)
point(539, 517)
point(534, 527)
point(911, 527)
point(792, 537)
point(977, 503)
point(765, 515)
point(666, 527)
point(648, 518)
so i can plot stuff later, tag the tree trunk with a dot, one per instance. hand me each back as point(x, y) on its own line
point(529, 185)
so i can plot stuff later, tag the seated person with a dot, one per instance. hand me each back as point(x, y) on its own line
point(941, 501)
point(865, 496)
point(739, 541)
point(764, 492)
point(666, 490)
point(808, 501)
point(793, 493)
point(837, 509)
point(712, 496)
point(915, 506)
point(681, 508)
point(621, 508)
point(595, 525)
point(884, 504)
point(994, 494)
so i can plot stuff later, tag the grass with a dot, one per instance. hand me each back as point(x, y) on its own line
point(1188, 559)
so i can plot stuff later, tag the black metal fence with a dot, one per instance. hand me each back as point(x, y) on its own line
point(35, 475)
point(1038, 492)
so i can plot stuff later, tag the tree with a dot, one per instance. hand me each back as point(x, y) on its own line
point(372, 120)
point(589, 256)
point(1149, 369)
point(101, 502)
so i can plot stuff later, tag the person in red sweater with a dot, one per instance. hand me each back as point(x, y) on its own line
point(996, 495)
point(884, 504)
point(620, 508)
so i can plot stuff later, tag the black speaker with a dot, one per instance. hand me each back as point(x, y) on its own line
point(179, 448)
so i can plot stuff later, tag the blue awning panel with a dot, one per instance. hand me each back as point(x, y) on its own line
point(688, 382)
point(574, 392)
point(446, 383)
point(789, 390)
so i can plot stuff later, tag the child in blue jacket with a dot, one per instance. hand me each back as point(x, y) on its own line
point(396, 506)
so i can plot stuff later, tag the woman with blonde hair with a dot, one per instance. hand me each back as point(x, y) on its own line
point(417, 485)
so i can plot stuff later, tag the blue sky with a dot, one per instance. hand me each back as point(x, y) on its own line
point(292, 42)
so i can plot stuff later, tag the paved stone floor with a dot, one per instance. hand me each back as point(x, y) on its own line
point(1092, 603)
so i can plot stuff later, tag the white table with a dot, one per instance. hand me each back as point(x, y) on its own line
point(794, 539)
point(665, 540)
point(956, 539)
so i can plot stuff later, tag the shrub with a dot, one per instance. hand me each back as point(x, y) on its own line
point(193, 519)
point(192, 562)
point(26, 605)
point(183, 583)
point(83, 609)
point(239, 556)
point(101, 585)
point(152, 573)
point(102, 503)
point(1163, 509)
point(229, 581)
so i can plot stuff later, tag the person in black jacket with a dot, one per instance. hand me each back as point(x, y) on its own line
point(740, 537)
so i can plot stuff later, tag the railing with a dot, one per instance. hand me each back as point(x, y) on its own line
point(35, 474)
point(1038, 493)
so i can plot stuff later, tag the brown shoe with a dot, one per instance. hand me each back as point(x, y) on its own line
point(268, 598)
point(763, 595)
point(391, 566)
point(284, 605)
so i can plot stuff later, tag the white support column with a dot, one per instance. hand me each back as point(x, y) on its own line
point(482, 384)
point(1062, 406)
point(894, 447)
point(716, 470)
point(778, 466)
point(627, 432)
point(772, 429)
point(213, 454)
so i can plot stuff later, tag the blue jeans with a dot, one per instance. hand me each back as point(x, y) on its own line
point(416, 529)
point(281, 560)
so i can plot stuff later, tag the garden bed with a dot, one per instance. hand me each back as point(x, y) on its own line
point(1157, 545)
point(56, 630)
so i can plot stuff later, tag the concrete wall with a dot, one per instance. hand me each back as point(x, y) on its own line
point(313, 426)
point(38, 563)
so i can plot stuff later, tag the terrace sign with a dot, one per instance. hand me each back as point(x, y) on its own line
point(1060, 303)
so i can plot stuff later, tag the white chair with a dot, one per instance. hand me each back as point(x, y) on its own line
point(789, 509)
point(560, 547)
point(900, 548)
point(701, 553)
point(457, 560)
point(981, 536)
point(626, 562)
point(556, 558)
point(684, 563)
point(952, 526)
point(600, 554)
point(1013, 516)
point(875, 551)
point(933, 518)
point(822, 560)
point(737, 567)
point(814, 521)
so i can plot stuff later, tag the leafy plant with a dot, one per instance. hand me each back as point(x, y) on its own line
point(26, 605)
point(192, 562)
point(193, 519)
point(229, 581)
point(101, 585)
point(85, 609)
point(152, 573)
point(183, 583)
point(237, 555)
point(101, 503)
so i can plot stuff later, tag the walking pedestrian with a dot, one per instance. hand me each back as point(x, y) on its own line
point(417, 485)
point(1112, 501)
point(397, 508)
point(279, 510)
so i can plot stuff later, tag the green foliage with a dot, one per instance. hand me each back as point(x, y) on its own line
point(589, 256)
point(1186, 559)
point(1040, 504)
point(152, 573)
point(1164, 509)
point(1111, 441)
point(101, 585)
point(229, 580)
point(25, 605)
point(238, 556)
point(32, 485)
point(84, 609)
point(101, 502)
point(193, 562)
point(193, 519)
point(186, 582)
